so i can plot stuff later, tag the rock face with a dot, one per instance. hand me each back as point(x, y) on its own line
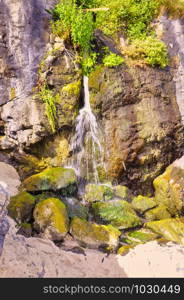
point(141, 121)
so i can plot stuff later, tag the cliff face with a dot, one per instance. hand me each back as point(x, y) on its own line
point(139, 110)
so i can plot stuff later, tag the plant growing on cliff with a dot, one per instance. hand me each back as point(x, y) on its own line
point(112, 60)
point(50, 107)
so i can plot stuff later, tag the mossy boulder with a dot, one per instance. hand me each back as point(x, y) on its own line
point(170, 229)
point(75, 208)
point(118, 213)
point(51, 219)
point(169, 188)
point(92, 235)
point(158, 213)
point(95, 192)
point(142, 203)
point(56, 178)
point(122, 192)
point(21, 207)
point(141, 236)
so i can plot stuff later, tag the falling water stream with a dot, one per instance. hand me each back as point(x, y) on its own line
point(86, 146)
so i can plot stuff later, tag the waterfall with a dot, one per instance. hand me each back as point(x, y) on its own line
point(86, 146)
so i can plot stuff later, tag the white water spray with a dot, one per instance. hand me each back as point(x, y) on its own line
point(85, 146)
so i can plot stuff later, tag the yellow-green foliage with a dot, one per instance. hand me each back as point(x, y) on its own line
point(50, 105)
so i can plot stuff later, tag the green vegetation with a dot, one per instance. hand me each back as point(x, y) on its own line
point(112, 60)
point(76, 20)
point(50, 105)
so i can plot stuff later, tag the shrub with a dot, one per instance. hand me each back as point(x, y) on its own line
point(112, 60)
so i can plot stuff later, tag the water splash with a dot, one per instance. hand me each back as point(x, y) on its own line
point(85, 145)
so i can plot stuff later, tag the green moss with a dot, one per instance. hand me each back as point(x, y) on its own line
point(51, 218)
point(93, 235)
point(95, 192)
point(118, 213)
point(56, 178)
point(169, 189)
point(96, 73)
point(141, 236)
point(122, 192)
point(112, 60)
point(123, 250)
point(72, 89)
point(157, 213)
point(21, 206)
point(142, 203)
point(170, 229)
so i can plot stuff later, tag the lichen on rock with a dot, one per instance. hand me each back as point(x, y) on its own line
point(21, 207)
point(92, 235)
point(51, 219)
point(56, 178)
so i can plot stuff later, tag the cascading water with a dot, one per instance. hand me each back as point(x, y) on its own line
point(87, 150)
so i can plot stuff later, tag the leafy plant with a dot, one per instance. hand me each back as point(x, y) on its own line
point(88, 62)
point(112, 60)
point(50, 107)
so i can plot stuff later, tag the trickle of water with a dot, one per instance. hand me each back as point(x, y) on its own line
point(87, 151)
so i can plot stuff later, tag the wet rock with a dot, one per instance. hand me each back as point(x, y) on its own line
point(170, 229)
point(21, 207)
point(75, 208)
point(117, 213)
point(56, 178)
point(128, 101)
point(92, 235)
point(98, 192)
point(142, 203)
point(51, 219)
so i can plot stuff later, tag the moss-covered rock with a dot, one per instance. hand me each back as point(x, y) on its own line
point(158, 213)
point(122, 192)
point(170, 229)
point(118, 213)
point(169, 189)
point(57, 178)
point(141, 236)
point(21, 206)
point(75, 208)
point(51, 219)
point(95, 192)
point(123, 250)
point(142, 203)
point(93, 235)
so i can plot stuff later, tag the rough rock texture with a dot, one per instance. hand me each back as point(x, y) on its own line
point(154, 261)
point(169, 187)
point(141, 121)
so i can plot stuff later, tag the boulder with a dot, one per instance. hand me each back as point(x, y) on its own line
point(117, 213)
point(142, 203)
point(75, 208)
point(92, 235)
point(122, 192)
point(51, 219)
point(21, 207)
point(140, 236)
point(158, 213)
point(169, 187)
point(98, 192)
point(170, 229)
point(56, 178)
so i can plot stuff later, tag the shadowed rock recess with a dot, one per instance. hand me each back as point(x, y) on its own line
point(91, 136)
